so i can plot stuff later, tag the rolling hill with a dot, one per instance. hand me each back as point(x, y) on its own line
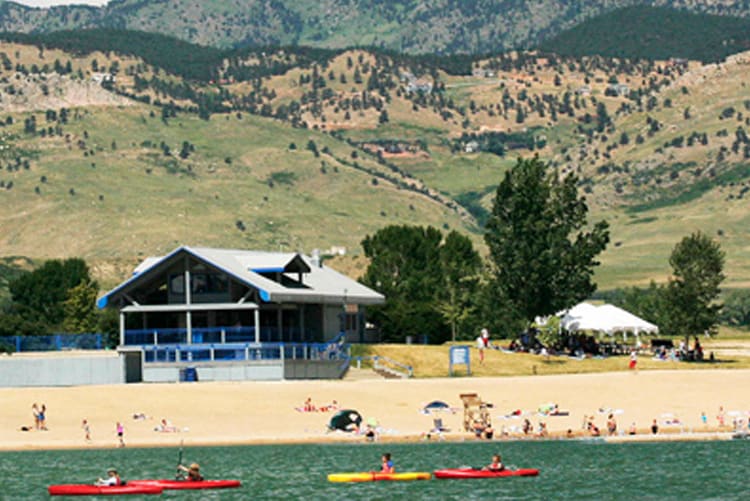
point(293, 148)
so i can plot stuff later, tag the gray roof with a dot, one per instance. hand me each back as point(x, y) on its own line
point(321, 284)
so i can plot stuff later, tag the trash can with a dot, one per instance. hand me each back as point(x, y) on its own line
point(409, 339)
point(189, 374)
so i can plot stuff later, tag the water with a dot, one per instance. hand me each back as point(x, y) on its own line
point(569, 470)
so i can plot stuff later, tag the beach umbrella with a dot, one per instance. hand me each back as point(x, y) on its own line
point(436, 405)
point(345, 420)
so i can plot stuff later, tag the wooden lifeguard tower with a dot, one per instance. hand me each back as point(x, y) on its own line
point(475, 410)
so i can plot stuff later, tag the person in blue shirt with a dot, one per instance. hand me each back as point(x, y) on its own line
point(387, 464)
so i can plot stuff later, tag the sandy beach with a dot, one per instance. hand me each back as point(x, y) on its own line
point(262, 412)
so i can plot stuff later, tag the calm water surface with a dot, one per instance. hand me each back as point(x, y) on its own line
point(569, 470)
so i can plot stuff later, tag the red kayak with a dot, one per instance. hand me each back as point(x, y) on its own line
point(187, 484)
point(474, 473)
point(102, 490)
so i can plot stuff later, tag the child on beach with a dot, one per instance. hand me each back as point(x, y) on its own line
point(633, 360)
point(387, 464)
point(120, 433)
point(86, 430)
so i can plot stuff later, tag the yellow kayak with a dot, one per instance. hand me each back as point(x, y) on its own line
point(376, 476)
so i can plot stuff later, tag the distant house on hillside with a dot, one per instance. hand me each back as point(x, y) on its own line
point(583, 90)
point(618, 89)
point(471, 147)
point(210, 306)
point(421, 85)
point(483, 73)
point(103, 78)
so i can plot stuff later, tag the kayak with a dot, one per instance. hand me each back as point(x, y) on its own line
point(187, 484)
point(102, 490)
point(376, 476)
point(475, 473)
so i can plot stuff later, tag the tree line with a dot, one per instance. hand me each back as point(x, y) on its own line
point(542, 256)
point(58, 296)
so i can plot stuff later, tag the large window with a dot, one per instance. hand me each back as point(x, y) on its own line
point(202, 283)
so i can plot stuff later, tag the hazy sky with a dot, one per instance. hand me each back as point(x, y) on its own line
point(49, 3)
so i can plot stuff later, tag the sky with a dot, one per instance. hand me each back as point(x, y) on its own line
point(50, 3)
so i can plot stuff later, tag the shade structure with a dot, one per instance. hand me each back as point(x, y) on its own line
point(606, 318)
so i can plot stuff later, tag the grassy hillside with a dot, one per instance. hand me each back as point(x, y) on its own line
point(654, 33)
point(413, 26)
point(302, 149)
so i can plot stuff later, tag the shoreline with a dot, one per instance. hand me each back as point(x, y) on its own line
point(263, 413)
point(703, 436)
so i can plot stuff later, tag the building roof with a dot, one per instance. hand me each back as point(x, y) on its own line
point(320, 284)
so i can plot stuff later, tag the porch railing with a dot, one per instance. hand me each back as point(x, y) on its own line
point(209, 335)
point(229, 352)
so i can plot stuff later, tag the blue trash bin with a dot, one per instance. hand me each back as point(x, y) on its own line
point(191, 374)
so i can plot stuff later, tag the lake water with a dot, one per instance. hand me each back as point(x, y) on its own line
point(569, 470)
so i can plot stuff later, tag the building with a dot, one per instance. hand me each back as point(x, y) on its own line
point(237, 314)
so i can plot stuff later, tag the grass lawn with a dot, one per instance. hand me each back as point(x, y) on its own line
point(732, 346)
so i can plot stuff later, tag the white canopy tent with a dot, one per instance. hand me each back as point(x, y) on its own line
point(606, 318)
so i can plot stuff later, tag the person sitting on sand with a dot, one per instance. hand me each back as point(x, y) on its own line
point(165, 427)
point(193, 472)
point(387, 464)
point(495, 465)
point(309, 406)
point(112, 479)
point(632, 430)
point(593, 429)
point(526, 426)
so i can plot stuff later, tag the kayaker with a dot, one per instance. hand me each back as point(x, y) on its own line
point(387, 464)
point(113, 478)
point(496, 464)
point(193, 472)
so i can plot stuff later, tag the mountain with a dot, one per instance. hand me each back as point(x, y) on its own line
point(411, 26)
point(654, 33)
point(112, 155)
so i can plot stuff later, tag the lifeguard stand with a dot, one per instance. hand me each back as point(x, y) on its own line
point(475, 410)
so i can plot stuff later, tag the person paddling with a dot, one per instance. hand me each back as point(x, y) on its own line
point(193, 472)
point(387, 464)
point(113, 478)
point(496, 464)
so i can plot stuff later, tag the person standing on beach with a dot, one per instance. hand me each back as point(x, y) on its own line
point(480, 347)
point(43, 417)
point(86, 430)
point(120, 433)
point(35, 412)
point(611, 425)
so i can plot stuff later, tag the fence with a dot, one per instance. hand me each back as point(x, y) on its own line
point(53, 342)
point(336, 349)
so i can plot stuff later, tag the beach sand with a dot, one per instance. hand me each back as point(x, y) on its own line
point(208, 413)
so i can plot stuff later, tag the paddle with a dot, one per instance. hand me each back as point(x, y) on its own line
point(178, 475)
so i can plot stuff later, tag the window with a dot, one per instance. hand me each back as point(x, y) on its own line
point(202, 283)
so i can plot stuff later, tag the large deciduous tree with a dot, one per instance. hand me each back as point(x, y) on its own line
point(693, 290)
point(38, 297)
point(541, 253)
point(460, 265)
point(427, 281)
